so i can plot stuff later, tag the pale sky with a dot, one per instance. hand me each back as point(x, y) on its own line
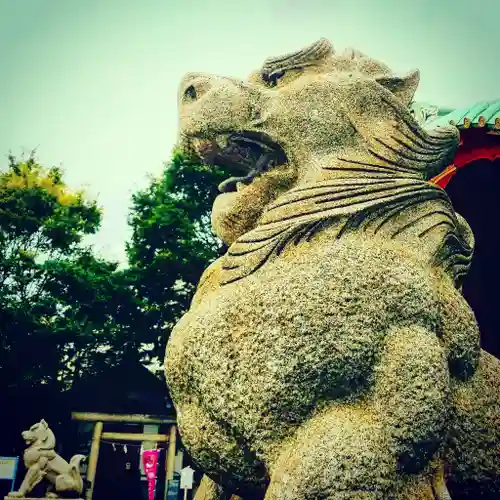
point(93, 83)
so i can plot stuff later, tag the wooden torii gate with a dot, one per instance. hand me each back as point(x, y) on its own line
point(99, 419)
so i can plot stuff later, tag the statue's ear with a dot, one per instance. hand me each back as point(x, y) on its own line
point(45, 424)
point(403, 87)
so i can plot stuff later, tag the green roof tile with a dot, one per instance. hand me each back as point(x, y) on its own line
point(431, 116)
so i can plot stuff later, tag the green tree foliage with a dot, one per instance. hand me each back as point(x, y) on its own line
point(66, 313)
point(172, 243)
point(59, 303)
point(99, 325)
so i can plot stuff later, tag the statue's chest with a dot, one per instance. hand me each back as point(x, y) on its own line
point(292, 333)
point(31, 456)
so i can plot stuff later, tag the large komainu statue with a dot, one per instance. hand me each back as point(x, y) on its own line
point(42, 462)
point(330, 354)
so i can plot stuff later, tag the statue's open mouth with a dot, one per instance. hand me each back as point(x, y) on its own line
point(28, 438)
point(248, 154)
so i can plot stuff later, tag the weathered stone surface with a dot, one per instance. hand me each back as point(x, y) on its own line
point(473, 454)
point(208, 490)
point(329, 354)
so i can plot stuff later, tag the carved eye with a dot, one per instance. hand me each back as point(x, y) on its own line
point(274, 78)
point(190, 93)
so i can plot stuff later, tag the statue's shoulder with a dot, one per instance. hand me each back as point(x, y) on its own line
point(209, 281)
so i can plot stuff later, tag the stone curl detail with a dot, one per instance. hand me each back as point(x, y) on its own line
point(306, 56)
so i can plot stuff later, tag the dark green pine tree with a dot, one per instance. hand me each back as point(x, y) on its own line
point(172, 243)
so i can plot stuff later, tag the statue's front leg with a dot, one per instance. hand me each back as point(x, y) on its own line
point(412, 398)
point(34, 475)
point(384, 447)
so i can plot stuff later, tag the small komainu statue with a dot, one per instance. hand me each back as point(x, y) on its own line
point(330, 354)
point(42, 462)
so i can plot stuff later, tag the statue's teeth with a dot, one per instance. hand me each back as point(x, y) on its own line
point(221, 141)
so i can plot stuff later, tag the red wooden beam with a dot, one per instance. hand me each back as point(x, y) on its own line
point(466, 154)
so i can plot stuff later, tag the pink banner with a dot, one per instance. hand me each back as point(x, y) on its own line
point(150, 463)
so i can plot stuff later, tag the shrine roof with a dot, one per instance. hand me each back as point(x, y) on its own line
point(124, 388)
point(481, 114)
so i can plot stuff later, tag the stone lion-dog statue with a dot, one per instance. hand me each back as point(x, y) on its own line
point(42, 462)
point(329, 354)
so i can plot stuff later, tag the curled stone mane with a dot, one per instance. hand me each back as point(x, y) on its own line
point(351, 206)
point(390, 199)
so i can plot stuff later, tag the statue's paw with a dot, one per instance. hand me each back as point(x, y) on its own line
point(52, 495)
point(439, 485)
